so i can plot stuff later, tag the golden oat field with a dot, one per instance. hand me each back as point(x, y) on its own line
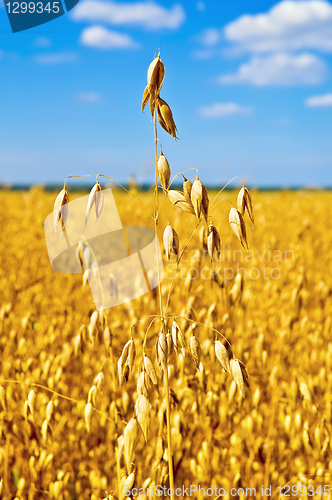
point(63, 413)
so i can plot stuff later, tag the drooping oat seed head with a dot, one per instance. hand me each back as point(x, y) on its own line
point(169, 342)
point(131, 355)
point(61, 208)
point(44, 429)
point(149, 369)
point(107, 337)
point(187, 187)
point(143, 384)
point(222, 355)
point(126, 361)
point(239, 374)
point(244, 202)
point(178, 339)
point(126, 485)
point(99, 381)
point(171, 242)
point(88, 415)
point(179, 200)
point(199, 199)
point(49, 410)
point(32, 401)
point(237, 223)
point(164, 171)
point(156, 75)
point(95, 198)
point(146, 97)
point(92, 396)
point(165, 117)
point(161, 350)
point(195, 350)
point(213, 240)
point(130, 441)
point(142, 409)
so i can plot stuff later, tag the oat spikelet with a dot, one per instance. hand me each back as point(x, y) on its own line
point(178, 339)
point(244, 202)
point(171, 242)
point(61, 208)
point(164, 171)
point(143, 384)
point(142, 409)
point(127, 484)
point(49, 410)
point(213, 240)
point(199, 199)
point(126, 361)
point(156, 75)
point(237, 223)
point(195, 350)
point(32, 401)
point(95, 198)
point(146, 97)
point(161, 348)
point(239, 374)
point(130, 441)
point(149, 368)
point(165, 117)
point(187, 187)
point(169, 342)
point(222, 355)
point(179, 200)
point(88, 415)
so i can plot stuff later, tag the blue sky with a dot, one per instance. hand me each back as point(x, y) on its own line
point(249, 84)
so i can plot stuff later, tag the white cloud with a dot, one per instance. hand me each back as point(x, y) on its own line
point(89, 97)
point(56, 58)
point(210, 37)
point(146, 14)
point(102, 38)
point(200, 6)
point(288, 26)
point(203, 54)
point(42, 42)
point(279, 69)
point(223, 110)
point(319, 101)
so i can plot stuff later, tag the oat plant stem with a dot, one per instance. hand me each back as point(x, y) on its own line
point(166, 383)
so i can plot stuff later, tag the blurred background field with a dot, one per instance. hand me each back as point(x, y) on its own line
point(279, 326)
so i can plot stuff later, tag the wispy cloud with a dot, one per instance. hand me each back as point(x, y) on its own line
point(56, 58)
point(289, 25)
point(224, 110)
point(147, 14)
point(88, 97)
point(200, 6)
point(103, 38)
point(319, 101)
point(41, 42)
point(210, 37)
point(279, 69)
